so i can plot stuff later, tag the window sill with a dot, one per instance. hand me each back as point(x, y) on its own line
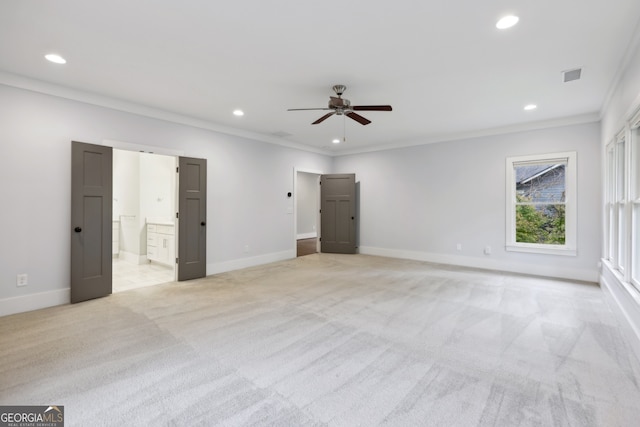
point(542, 249)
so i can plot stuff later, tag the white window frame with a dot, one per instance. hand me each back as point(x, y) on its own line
point(620, 200)
point(570, 246)
point(634, 200)
point(611, 217)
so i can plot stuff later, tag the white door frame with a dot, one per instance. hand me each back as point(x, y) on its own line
point(295, 206)
point(149, 149)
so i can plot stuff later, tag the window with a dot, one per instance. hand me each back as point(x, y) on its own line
point(541, 204)
point(620, 203)
point(622, 209)
point(635, 203)
point(611, 241)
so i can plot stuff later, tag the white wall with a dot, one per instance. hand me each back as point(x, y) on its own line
point(420, 202)
point(307, 204)
point(157, 187)
point(625, 100)
point(126, 199)
point(247, 184)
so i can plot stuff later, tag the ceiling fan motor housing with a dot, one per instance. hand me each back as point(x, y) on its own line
point(339, 102)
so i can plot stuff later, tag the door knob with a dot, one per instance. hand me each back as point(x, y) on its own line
point(203, 223)
point(77, 229)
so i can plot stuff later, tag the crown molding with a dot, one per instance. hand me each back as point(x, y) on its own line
point(634, 43)
point(60, 91)
point(40, 86)
point(434, 139)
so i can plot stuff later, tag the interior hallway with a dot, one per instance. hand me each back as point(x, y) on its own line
point(306, 246)
point(339, 340)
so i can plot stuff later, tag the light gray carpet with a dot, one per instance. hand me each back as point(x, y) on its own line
point(330, 340)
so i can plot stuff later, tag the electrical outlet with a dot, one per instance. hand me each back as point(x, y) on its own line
point(246, 248)
point(459, 247)
point(22, 279)
point(487, 250)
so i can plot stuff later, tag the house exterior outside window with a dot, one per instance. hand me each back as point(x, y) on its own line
point(541, 203)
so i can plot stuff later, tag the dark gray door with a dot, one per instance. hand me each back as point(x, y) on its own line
point(192, 221)
point(91, 226)
point(337, 213)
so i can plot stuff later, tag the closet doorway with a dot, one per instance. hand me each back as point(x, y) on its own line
point(144, 219)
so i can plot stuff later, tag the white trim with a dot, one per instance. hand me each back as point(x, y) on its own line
point(237, 264)
point(40, 86)
point(36, 301)
point(295, 206)
point(620, 71)
point(586, 275)
point(128, 146)
point(307, 235)
point(624, 301)
point(541, 249)
point(635, 120)
point(434, 139)
point(26, 83)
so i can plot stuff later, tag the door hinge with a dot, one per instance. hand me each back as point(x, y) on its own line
point(177, 170)
point(177, 215)
point(176, 260)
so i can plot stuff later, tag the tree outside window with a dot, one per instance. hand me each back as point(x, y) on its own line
point(540, 199)
point(541, 203)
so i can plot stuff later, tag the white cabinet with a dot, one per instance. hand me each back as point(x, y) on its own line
point(161, 244)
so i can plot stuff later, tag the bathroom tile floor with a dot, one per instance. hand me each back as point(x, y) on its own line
point(127, 276)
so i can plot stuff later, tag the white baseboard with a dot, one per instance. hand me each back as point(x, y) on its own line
point(34, 301)
point(624, 301)
point(306, 235)
point(133, 258)
point(237, 264)
point(486, 263)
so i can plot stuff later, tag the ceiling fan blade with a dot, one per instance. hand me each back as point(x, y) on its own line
point(358, 118)
point(371, 108)
point(307, 109)
point(323, 118)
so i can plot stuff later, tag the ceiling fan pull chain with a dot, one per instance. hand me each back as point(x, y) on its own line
point(344, 129)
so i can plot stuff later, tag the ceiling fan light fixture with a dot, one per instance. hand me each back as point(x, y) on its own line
point(507, 22)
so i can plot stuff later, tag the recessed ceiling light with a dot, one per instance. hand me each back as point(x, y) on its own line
point(238, 113)
point(530, 107)
point(507, 22)
point(52, 57)
point(336, 141)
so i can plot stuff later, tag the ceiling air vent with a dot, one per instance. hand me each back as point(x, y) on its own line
point(282, 134)
point(571, 75)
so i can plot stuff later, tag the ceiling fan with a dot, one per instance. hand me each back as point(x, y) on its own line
point(339, 105)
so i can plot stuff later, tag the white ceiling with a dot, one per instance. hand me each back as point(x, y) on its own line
point(443, 66)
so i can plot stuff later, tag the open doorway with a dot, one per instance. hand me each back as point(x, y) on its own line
point(144, 207)
point(307, 212)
